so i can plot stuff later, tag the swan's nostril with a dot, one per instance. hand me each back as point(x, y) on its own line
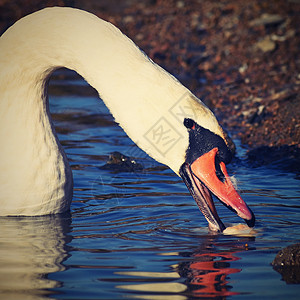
point(219, 171)
point(220, 174)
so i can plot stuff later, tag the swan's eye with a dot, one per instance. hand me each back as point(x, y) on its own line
point(189, 123)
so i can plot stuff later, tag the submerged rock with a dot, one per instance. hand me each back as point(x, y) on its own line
point(119, 162)
point(287, 263)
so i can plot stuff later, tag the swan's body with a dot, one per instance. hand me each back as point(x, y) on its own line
point(35, 177)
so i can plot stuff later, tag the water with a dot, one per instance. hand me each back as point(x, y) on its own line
point(140, 235)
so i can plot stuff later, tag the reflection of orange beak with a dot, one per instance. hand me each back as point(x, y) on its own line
point(208, 173)
point(211, 277)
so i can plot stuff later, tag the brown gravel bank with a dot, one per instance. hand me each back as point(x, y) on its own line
point(242, 58)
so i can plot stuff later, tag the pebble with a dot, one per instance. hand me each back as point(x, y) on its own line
point(267, 20)
point(266, 45)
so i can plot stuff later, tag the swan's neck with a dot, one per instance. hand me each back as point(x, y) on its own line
point(138, 92)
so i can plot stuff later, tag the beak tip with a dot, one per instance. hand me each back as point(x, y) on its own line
point(251, 222)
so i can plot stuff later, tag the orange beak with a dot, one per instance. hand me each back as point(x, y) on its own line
point(208, 173)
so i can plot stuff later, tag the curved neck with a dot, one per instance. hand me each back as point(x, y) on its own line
point(137, 91)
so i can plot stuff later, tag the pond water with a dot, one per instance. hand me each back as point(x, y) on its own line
point(140, 235)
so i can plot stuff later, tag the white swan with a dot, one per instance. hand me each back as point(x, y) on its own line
point(156, 111)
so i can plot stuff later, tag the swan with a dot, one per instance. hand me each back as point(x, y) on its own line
point(155, 110)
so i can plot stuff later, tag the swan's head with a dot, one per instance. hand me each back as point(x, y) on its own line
point(186, 136)
point(204, 172)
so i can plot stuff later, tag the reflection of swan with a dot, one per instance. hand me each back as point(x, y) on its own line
point(157, 112)
point(31, 248)
point(209, 273)
point(206, 273)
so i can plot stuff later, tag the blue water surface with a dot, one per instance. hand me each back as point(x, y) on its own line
point(140, 235)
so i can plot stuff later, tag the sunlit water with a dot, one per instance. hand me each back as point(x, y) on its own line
point(140, 235)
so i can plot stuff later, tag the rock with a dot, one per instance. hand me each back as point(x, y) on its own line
point(243, 68)
point(119, 162)
point(287, 263)
point(266, 45)
point(267, 20)
point(128, 19)
point(281, 38)
point(258, 116)
point(180, 4)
